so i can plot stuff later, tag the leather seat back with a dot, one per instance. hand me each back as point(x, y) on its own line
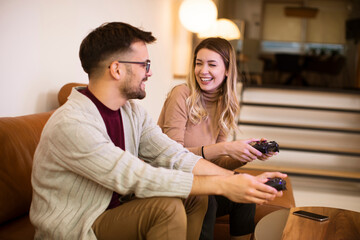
point(19, 137)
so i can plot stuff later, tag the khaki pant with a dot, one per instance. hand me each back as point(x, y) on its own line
point(153, 218)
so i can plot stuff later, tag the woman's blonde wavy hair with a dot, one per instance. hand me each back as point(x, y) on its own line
point(227, 93)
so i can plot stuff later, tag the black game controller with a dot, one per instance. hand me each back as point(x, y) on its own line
point(277, 183)
point(265, 146)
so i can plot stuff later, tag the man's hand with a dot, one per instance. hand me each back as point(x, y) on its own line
point(210, 179)
point(249, 189)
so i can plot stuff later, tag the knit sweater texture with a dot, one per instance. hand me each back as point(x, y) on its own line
point(174, 121)
point(76, 167)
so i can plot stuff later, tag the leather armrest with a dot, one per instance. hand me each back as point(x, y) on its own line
point(65, 91)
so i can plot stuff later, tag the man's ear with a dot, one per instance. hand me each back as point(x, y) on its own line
point(115, 70)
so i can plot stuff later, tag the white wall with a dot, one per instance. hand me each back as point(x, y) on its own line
point(40, 40)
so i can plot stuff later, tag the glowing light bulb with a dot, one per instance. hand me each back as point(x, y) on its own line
point(197, 15)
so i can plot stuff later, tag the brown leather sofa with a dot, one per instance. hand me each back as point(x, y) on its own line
point(19, 137)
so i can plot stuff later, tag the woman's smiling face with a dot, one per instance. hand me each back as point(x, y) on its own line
point(210, 70)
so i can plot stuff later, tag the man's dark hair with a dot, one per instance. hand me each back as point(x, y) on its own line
point(108, 39)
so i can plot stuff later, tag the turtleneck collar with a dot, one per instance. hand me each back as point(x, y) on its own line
point(212, 96)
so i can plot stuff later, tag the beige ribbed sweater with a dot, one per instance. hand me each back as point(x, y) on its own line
point(77, 167)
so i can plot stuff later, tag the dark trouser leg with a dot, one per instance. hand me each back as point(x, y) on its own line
point(207, 230)
point(241, 215)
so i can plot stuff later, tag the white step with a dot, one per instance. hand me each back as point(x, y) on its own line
point(302, 98)
point(309, 160)
point(309, 139)
point(318, 131)
point(347, 121)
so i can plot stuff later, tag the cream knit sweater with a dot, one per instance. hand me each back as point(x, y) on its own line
point(77, 167)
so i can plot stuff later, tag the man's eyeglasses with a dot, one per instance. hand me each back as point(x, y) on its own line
point(146, 64)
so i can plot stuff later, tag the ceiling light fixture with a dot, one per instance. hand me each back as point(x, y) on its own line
point(197, 15)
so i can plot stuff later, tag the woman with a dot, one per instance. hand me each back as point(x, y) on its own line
point(200, 115)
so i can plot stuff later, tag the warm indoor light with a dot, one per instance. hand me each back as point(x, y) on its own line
point(197, 15)
point(224, 28)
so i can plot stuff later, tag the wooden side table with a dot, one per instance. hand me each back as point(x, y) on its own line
point(282, 224)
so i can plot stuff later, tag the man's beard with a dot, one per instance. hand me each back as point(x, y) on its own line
point(129, 91)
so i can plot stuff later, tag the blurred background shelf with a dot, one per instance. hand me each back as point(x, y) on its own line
point(348, 129)
point(318, 131)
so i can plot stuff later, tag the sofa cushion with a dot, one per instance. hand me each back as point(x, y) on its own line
point(20, 228)
point(19, 137)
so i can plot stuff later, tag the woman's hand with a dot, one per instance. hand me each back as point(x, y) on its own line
point(242, 151)
point(239, 150)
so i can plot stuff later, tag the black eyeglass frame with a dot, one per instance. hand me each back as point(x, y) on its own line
point(146, 64)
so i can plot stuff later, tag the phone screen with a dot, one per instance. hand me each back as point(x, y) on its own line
point(310, 215)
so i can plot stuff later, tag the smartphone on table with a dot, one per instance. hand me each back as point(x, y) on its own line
point(310, 215)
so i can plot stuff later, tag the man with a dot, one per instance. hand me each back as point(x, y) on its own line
point(104, 170)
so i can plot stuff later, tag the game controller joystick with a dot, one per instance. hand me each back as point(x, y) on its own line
point(265, 146)
point(277, 183)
